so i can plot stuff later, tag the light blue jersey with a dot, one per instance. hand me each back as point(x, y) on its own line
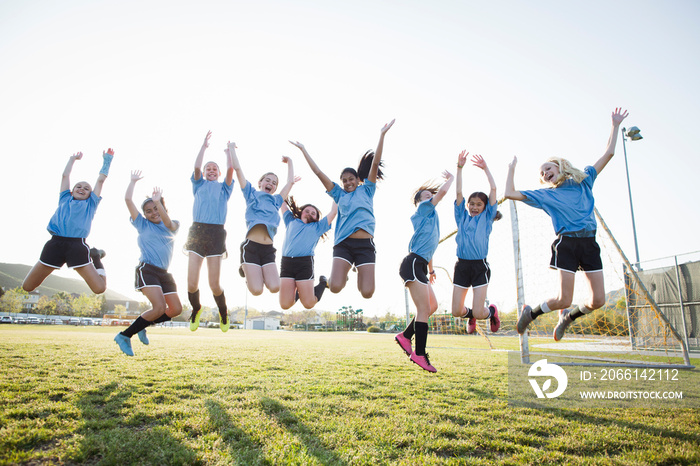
point(262, 208)
point(155, 241)
point(570, 206)
point(210, 200)
point(426, 230)
point(473, 232)
point(355, 210)
point(301, 238)
point(73, 218)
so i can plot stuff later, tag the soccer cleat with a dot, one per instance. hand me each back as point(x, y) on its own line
point(494, 320)
point(471, 325)
point(404, 343)
point(224, 327)
point(124, 344)
point(143, 337)
point(423, 362)
point(96, 255)
point(194, 323)
point(525, 319)
point(564, 321)
point(324, 280)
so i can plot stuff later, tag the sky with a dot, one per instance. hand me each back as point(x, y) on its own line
point(500, 79)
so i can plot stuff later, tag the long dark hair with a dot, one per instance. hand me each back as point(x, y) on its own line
point(364, 167)
point(433, 188)
point(296, 211)
point(485, 199)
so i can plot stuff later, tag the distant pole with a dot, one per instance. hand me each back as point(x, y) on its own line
point(629, 192)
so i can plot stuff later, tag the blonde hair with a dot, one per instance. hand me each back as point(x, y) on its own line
point(566, 171)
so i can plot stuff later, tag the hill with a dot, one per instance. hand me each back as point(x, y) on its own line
point(12, 275)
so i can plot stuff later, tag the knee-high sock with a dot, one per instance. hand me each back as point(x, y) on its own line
point(421, 329)
point(139, 324)
point(194, 301)
point(221, 304)
point(409, 331)
point(163, 318)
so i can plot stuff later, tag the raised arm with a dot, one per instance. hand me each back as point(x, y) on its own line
point(200, 157)
point(229, 166)
point(236, 164)
point(327, 183)
point(290, 177)
point(511, 192)
point(478, 161)
point(129, 195)
point(378, 153)
point(461, 160)
point(617, 116)
point(157, 197)
point(107, 157)
point(332, 214)
point(65, 177)
point(444, 189)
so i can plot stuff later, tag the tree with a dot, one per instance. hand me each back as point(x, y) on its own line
point(12, 301)
point(46, 306)
point(120, 310)
point(86, 306)
point(63, 302)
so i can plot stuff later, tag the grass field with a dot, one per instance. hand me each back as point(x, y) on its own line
point(68, 396)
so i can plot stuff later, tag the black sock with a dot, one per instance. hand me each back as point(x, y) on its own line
point(576, 313)
point(221, 304)
point(469, 314)
point(409, 331)
point(537, 311)
point(139, 324)
point(319, 289)
point(296, 295)
point(194, 301)
point(492, 311)
point(421, 329)
point(163, 318)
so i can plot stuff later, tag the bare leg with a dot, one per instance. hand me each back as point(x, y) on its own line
point(288, 290)
point(306, 293)
point(459, 295)
point(478, 300)
point(254, 278)
point(194, 266)
point(271, 277)
point(96, 282)
point(424, 299)
point(157, 299)
point(365, 280)
point(596, 282)
point(36, 276)
point(566, 291)
point(214, 274)
point(339, 275)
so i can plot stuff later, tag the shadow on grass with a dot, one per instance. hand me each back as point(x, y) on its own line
point(242, 447)
point(286, 418)
point(111, 435)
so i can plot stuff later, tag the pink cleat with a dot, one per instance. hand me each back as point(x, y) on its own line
point(423, 362)
point(404, 343)
point(471, 325)
point(495, 321)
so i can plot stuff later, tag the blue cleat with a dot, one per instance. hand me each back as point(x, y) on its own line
point(124, 344)
point(143, 337)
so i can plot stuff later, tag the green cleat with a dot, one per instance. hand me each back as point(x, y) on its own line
point(194, 324)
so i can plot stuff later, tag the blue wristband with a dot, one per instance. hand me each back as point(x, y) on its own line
point(105, 165)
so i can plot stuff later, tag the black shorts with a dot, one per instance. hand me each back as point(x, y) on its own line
point(356, 251)
point(148, 275)
point(60, 250)
point(414, 268)
point(298, 268)
point(206, 240)
point(472, 273)
point(253, 253)
point(571, 254)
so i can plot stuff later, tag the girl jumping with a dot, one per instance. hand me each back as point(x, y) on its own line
point(304, 228)
point(156, 237)
point(69, 227)
point(417, 270)
point(568, 200)
point(262, 219)
point(474, 224)
point(207, 236)
point(354, 229)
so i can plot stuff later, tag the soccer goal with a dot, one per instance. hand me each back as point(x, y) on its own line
point(630, 330)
